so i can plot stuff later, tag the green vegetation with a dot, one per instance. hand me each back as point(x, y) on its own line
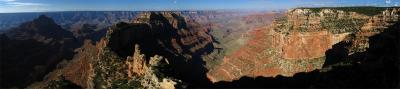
point(370, 11)
point(115, 72)
point(212, 59)
point(336, 26)
point(346, 22)
point(108, 62)
point(283, 25)
point(125, 84)
point(61, 83)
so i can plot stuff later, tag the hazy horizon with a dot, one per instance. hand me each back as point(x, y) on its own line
point(16, 6)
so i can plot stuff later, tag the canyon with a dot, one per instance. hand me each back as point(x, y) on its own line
point(301, 47)
point(299, 41)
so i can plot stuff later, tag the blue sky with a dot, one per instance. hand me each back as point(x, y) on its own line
point(143, 5)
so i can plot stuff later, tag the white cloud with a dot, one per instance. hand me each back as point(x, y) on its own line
point(8, 0)
point(388, 1)
point(25, 4)
point(15, 3)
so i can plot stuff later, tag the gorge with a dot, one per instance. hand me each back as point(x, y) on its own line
point(302, 47)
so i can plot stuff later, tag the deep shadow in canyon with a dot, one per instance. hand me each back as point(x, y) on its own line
point(377, 67)
point(156, 35)
point(35, 48)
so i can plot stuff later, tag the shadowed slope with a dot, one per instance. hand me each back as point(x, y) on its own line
point(30, 51)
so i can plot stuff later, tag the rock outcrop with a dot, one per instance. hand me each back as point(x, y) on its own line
point(116, 61)
point(158, 33)
point(166, 50)
point(161, 33)
point(178, 39)
point(298, 42)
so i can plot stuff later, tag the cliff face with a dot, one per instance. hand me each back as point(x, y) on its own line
point(161, 33)
point(97, 66)
point(299, 41)
point(180, 40)
point(229, 30)
point(134, 71)
point(33, 49)
point(163, 49)
point(169, 41)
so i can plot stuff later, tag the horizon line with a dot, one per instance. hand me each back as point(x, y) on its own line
point(186, 10)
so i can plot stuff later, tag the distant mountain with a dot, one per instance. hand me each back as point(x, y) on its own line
point(31, 50)
point(39, 29)
point(70, 19)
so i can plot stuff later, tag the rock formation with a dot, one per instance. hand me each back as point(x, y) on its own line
point(298, 42)
point(114, 62)
point(166, 50)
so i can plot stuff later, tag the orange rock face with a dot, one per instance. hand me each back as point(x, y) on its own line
point(269, 54)
point(288, 47)
point(136, 64)
point(80, 70)
point(306, 45)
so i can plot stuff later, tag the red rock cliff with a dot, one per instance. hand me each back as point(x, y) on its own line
point(298, 42)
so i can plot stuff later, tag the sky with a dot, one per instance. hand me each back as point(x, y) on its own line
point(8, 6)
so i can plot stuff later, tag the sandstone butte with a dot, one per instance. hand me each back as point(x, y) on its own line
point(270, 53)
